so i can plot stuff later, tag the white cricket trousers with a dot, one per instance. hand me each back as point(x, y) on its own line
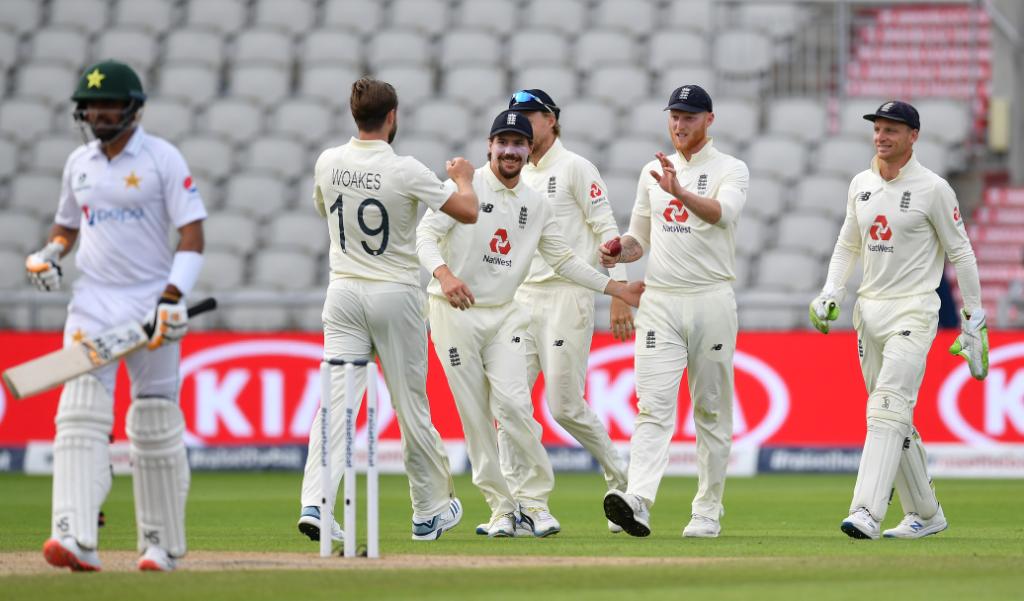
point(482, 352)
point(561, 330)
point(696, 332)
point(363, 318)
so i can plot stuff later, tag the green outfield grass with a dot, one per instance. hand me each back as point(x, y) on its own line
point(780, 540)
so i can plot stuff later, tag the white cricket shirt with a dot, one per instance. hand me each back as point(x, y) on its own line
point(122, 209)
point(688, 254)
point(493, 255)
point(369, 196)
point(578, 198)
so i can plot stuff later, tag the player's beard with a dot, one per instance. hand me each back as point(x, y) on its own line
point(394, 131)
point(512, 172)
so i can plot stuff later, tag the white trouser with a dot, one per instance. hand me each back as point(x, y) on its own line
point(481, 350)
point(561, 330)
point(363, 318)
point(893, 339)
point(697, 332)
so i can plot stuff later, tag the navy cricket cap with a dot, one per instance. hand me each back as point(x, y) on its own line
point(894, 110)
point(514, 122)
point(533, 100)
point(690, 98)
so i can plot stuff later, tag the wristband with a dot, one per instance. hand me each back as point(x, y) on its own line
point(185, 270)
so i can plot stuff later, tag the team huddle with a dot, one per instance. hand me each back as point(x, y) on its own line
point(514, 249)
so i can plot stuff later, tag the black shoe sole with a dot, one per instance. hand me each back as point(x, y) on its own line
point(313, 532)
point(852, 531)
point(620, 513)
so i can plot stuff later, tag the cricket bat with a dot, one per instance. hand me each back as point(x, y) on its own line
point(53, 369)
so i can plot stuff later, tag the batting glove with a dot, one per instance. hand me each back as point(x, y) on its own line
point(825, 308)
point(170, 321)
point(43, 267)
point(972, 343)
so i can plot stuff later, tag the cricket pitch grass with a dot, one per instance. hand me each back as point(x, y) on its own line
point(780, 540)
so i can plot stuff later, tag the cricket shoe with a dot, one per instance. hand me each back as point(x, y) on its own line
point(539, 521)
point(483, 529)
point(309, 524)
point(503, 526)
point(914, 526)
point(155, 559)
point(439, 524)
point(65, 553)
point(702, 527)
point(628, 512)
point(613, 527)
point(860, 524)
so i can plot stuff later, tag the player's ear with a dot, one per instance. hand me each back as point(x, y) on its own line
point(913, 135)
point(391, 116)
point(711, 118)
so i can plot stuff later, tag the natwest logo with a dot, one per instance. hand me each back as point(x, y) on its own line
point(989, 412)
point(880, 229)
point(676, 211)
point(500, 242)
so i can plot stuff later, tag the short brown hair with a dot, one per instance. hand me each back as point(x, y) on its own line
point(371, 101)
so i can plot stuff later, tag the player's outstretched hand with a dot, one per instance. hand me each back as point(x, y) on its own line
point(459, 168)
point(972, 343)
point(170, 321)
point(667, 178)
point(43, 266)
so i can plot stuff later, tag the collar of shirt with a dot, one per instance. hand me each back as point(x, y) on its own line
point(497, 185)
point(552, 155)
point(905, 170)
point(369, 144)
point(132, 148)
point(705, 154)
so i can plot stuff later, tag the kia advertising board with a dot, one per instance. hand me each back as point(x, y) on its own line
point(800, 405)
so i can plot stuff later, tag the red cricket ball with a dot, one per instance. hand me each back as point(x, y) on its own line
point(614, 247)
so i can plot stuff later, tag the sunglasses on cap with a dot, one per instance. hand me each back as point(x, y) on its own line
point(522, 97)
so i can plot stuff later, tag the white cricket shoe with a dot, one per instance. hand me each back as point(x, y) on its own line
point(613, 527)
point(309, 524)
point(860, 524)
point(503, 526)
point(539, 521)
point(65, 553)
point(914, 526)
point(483, 529)
point(628, 512)
point(439, 524)
point(702, 527)
point(155, 559)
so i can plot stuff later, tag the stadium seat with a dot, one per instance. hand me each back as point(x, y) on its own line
point(333, 47)
point(134, 46)
point(636, 17)
point(696, 15)
point(278, 155)
point(532, 48)
point(232, 232)
point(647, 117)
point(208, 156)
point(589, 119)
point(294, 17)
point(667, 49)
point(167, 118)
point(309, 318)
point(428, 150)
point(620, 86)
point(475, 86)
point(153, 16)
point(669, 79)
point(495, 16)
point(764, 198)
point(303, 118)
point(412, 84)
point(12, 269)
point(263, 84)
point(223, 16)
point(21, 232)
point(427, 16)
point(256, 194)
point(265, 45)
point(330, 83)
point(89, 16)
point(741, 271)
point(765, 152)
point(822, 194)
point(604, 48)
point(193, 84)
point(947, 121)
point(442, 118)
point(283, 270)
point(198, 46)
point(851, 116)
point(21, 15)
point(769, 318)
point(933, 155)
point(361, 16)
point(50, 153)
point(559, 82)
point(789, 271)
point(50, 82)
point(263, 318)
point(236, 119)
point(63, 45)
point(742, 53)
point(35, 193)
point(751, 235)
point(405, 47)
point(814, 235)
point(23, 119)
point(8, 51)
point(584, 147)
point(306, 232)
point(802, 118)
point(567, 17)
point(461, 48)
point(222, 270)
point(778, 19)
point(8, 158)
point(843, 156)
point(632, 153)
point(735, 119)
point(621, 194)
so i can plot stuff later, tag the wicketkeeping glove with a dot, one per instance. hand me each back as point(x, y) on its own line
point(170, 321)
point(824, 309)
point(43, 267)
point(972, 343)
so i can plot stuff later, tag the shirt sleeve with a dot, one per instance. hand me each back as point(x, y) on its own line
point(847, 249)
point(640, 219)
point(563, 260)
point(429, 232)
point(68, 214)
point(181, 196)
point(944, 215)
point(732, 193)
point(591, 194)
point(318, 195)
point(422, 184)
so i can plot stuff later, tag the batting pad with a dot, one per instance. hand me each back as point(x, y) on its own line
point(160, 472)
point(912, 481)
point(81, 459)
point(883, 448)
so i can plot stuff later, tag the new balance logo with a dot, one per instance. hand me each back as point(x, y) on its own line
point(152, 536)
point(487, 207)
point(453, 357)
point(716, 347)
point(905, 333)
point(559, 342)
point(516, 340)
point(650, 339)
point(864, 196)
